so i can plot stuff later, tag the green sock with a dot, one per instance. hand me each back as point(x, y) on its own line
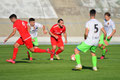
point(30, 53)
point(94, 61)
point(101, 47)
point(104, 52)
point(77, 57)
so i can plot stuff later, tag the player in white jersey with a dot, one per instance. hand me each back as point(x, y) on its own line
point(92, 34)
point(109, 27)
point(34, 26)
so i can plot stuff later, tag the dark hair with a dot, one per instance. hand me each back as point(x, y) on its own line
point(60, 20)
point(31, 19)
point(12, 16)
point(108, 14)
point(92, 12)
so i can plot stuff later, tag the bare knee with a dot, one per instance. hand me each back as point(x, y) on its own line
point(62, 48)
point(54, 47)
point(76, 51)
point(93, 54)
point(16, 45)
point(31, 49)
point(100, 45)
point(104, 47)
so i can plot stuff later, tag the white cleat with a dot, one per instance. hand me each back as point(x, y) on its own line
point(94, 68)
point(79, 66)
point(57, 56)
point(51, 59)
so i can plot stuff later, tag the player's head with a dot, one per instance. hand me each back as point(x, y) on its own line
point(107, 16)
point(92, 13)
point(60, 23)
point(32, 21)
point(13, 18)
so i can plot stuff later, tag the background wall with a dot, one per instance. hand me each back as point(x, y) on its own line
point(74, 12)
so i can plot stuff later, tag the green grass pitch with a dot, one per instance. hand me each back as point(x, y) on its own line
point(43, 69)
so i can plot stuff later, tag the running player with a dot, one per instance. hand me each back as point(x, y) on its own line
point(33, 32)
point(92, 32)
point(22, 28)
point(109, 27)
point(56, 38)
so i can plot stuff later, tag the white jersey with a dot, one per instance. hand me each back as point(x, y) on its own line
point(34, 29)
point(109, 26)
point(94, 27)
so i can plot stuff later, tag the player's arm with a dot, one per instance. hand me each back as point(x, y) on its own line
point(86, 33)
point(53, 35)
point(105, 34)
point(113, 32)
point(65, 36)
point(12, 34)
point(44, 29)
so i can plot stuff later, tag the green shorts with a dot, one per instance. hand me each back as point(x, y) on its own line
point(35, 43)
point(84, 47)
point(102, 40)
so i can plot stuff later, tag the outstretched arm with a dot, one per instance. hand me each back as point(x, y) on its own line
point(65, 36)
point(12, 34)
point(44, 30)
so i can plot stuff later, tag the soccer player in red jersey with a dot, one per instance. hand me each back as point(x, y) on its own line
point(56, 38)
point(22, 28)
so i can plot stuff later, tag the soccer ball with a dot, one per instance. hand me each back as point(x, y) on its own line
point(73, 57)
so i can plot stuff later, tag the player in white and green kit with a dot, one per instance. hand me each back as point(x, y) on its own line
point(34, 32)
point(92, 34)
point(109, 27)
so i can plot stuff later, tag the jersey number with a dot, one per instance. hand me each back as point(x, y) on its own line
point(23, 24)
point(96, 28)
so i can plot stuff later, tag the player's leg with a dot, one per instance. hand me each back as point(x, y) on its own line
point(94, 58)
point(29, 45)
point(54, 45)
point(102, 46)
point(53, 51)
point(35, 44)
point(77, 57)
point(61, 49)
point(15, 50)
point(60, 44)
point(83, 47)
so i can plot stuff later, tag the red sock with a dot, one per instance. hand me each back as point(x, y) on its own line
point(51, 56)
point(58, 51)
point(15, 50)
point(38, 50)
point(28, 54)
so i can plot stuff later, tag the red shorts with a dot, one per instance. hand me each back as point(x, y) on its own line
point(27, 42)
point(57, 42)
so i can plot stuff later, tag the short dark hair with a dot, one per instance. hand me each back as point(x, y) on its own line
point(92, 12)
point(31, 19)
point(12, 16)
point(60, 20)
point(108, 14)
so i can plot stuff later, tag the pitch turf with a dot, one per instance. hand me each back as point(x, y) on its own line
point(43, 69)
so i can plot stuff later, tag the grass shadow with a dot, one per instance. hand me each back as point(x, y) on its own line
point(104, 58)
point(22, 62)
point(83, 67)
point(56, 59)
point(28, 59)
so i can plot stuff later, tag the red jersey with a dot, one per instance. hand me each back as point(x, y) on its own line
point(56, 30)
point(22, 28)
